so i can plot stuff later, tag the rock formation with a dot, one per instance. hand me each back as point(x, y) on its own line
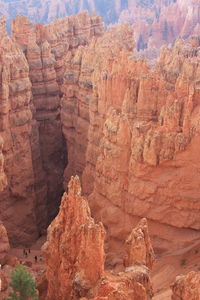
point(4, 244)
point(74, 256)
point(3, 179)
point(129, 131)
point(74, 251)
point(139, 128)
point(155, 22)
point(34, 148)
point(15, 128)
point(138, 246)
point(187, 287)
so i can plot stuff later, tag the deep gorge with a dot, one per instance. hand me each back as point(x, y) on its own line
point(76, 100)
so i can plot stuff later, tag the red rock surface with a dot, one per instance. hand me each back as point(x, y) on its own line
point(140, 140)
point(34, 148)
point(74, 256)
point(18, 198)
point(187, 287)
point(3, 179)
point(3, 282)
point(74, 252)
point(4, 244)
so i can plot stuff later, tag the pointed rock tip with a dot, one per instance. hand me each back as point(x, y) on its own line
point(74, 186)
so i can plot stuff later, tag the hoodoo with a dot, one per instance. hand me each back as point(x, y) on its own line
point(78, 106)
point(74, 256)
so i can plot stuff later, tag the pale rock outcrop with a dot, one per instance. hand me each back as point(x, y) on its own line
point(4, 244)
point(187, 287)
point(3, 282)
point(140, 129)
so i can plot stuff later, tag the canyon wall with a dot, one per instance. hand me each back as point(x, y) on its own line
point(35, 151)
point(141, 147)
point(74, 256)
point(17, 200)
point(70, 92)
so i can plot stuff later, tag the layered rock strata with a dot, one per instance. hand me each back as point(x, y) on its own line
point(34, 148)
point(46, 48)
point(155, 22)
point(187, 287)
point(74, 256)
point(17, 201)
point(141, 154)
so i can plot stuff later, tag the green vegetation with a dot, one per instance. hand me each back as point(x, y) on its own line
point(22, 284)
point(183, 261)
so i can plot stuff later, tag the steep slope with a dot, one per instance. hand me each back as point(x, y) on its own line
point(16, 129)
point(34, 148)
point(141, 157)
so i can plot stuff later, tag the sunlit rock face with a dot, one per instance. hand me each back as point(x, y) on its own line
point(74, 256)
point(133, 132)
point(33, 151)
point(17, 200)
point(186, 287)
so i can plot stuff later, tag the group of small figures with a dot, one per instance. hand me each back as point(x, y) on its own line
point(36, 258)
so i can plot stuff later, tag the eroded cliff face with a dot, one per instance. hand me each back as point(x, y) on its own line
point(16, 122)
point(74, 256)
point(141, 154)
point(34, 148)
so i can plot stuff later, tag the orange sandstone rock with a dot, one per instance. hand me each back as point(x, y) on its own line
point(4, 244)
point(187, 287)
point(74, 257)
point(139, 249)
point(132, 133)
point(34, 151)
point(74, 251)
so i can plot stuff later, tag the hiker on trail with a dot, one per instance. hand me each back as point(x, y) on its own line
point(35, 258)
point(29, 250)
point(24, 252)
